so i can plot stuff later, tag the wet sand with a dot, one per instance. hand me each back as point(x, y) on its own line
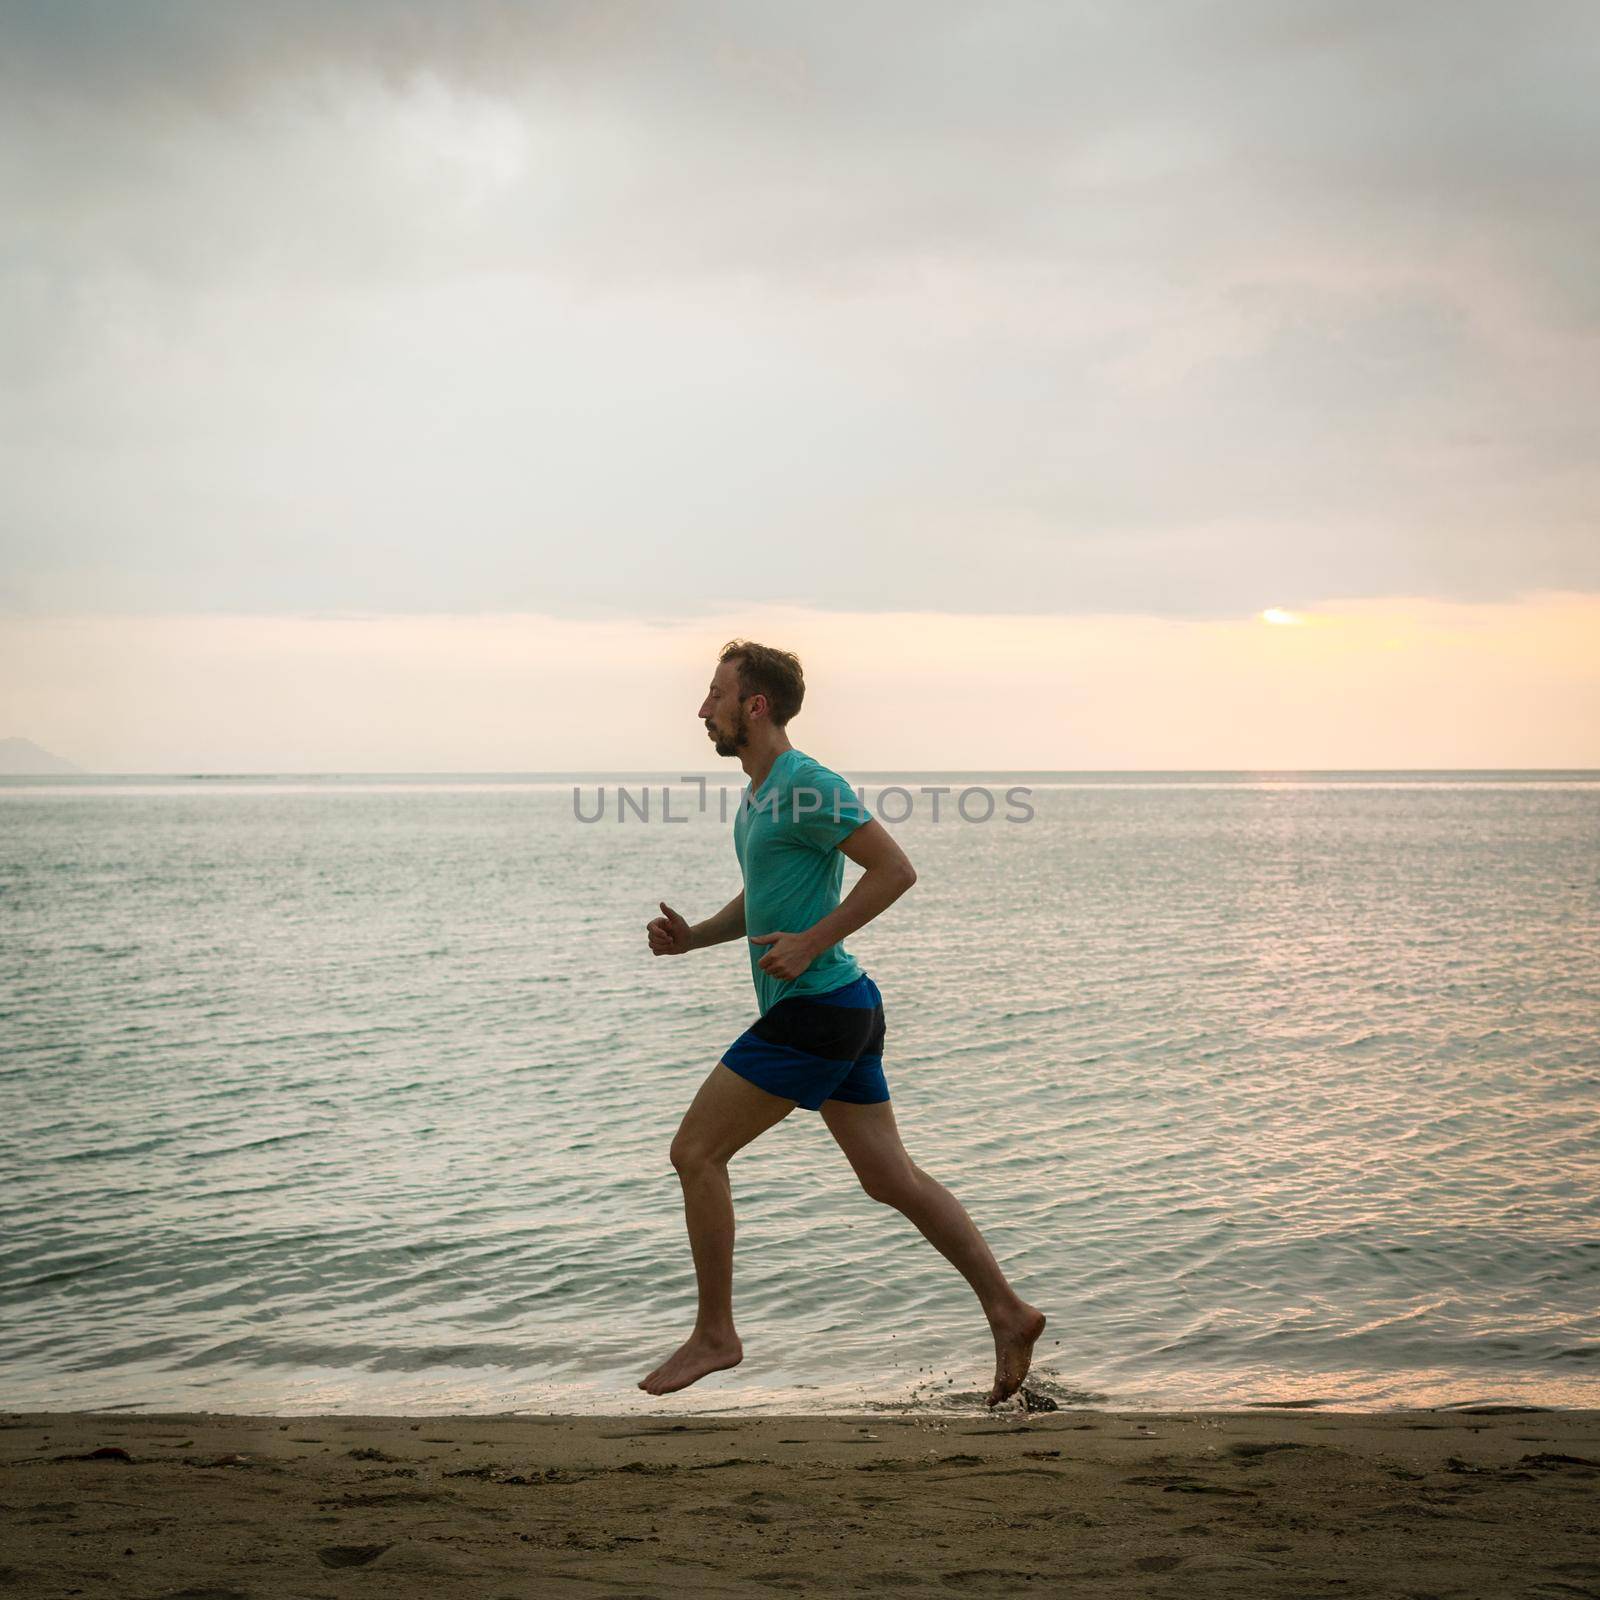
point(1493, 1502)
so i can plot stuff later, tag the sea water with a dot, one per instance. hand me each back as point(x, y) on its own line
point(356, 1093)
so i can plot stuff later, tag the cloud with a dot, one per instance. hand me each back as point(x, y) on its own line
point(588, 307)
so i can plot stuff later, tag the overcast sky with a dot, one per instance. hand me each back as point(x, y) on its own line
point(611, 317)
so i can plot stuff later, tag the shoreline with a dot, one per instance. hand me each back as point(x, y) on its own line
point(1265, 1500)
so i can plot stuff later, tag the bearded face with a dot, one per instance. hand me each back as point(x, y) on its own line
point(729, 741)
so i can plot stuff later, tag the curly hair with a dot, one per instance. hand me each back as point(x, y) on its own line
point(774, 673)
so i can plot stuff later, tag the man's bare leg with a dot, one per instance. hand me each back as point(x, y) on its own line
point(871, 1141)
point(725, 1115)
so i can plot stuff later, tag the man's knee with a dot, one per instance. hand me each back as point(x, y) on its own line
point(897, 1187)
point(689, 1155)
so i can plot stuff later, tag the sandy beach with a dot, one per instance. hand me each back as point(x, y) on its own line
point(1491, 1501)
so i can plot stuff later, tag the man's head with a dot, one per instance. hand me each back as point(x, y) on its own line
point(754, 689)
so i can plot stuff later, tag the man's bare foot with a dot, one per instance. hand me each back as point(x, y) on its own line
point(692, 1360)
point(1013, 1350)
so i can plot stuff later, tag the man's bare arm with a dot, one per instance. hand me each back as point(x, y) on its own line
point(671, 935)
point(726, 924)
point(888, 875)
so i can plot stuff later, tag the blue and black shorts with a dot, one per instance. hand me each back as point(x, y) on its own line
point(816, 1047)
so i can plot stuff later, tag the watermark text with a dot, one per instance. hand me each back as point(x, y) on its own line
point(799, 803)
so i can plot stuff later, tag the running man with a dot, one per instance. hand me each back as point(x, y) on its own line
point(819, 1039)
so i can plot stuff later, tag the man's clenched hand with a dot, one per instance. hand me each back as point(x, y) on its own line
point(668, 933)
point(790, 955)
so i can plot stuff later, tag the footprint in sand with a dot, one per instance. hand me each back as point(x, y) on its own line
point(350, 1555)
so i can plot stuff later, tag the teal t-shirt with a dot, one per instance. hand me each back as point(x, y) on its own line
point(786, 837)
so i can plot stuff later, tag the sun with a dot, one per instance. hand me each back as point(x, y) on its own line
point(1283, 619)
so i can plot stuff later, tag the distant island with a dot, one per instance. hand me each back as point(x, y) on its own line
point(22, 757)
